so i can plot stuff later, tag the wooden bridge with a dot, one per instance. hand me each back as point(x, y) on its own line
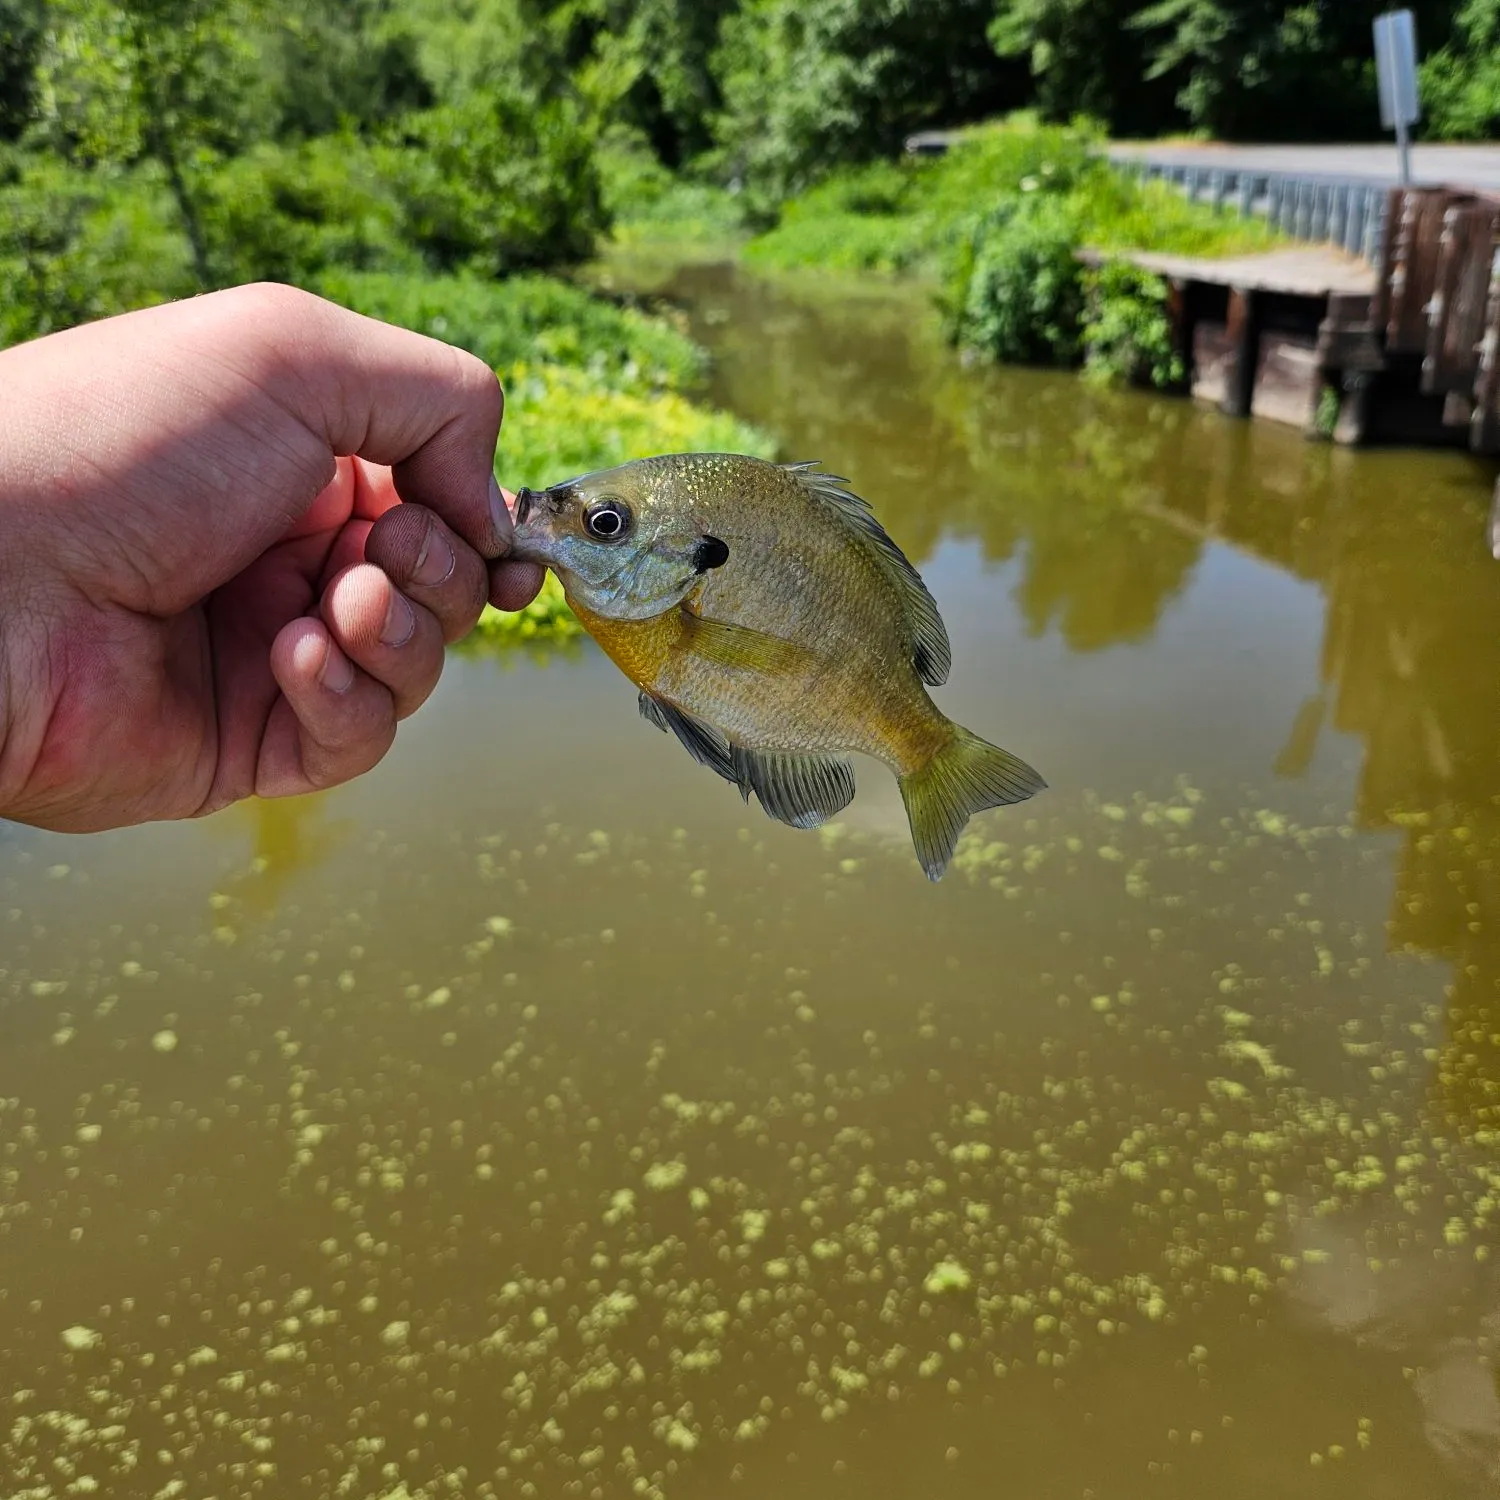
point(1402, 350)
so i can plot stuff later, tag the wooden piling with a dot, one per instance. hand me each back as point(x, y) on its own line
point(1180, 313)
point(1243, 331)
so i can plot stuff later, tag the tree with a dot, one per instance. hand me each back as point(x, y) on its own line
point(499, 181)
point(1268, 70)
point(165, 81)
point(646, 63)
point(1084, 58)
point(808, 84)
point(334, 65)
point(1461, 81)
point(21, 28)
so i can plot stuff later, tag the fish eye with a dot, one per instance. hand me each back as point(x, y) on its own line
point(608, 520)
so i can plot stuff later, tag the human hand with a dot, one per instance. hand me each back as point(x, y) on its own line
point(208, 588)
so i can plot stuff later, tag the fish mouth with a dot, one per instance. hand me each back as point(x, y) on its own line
point(531, 526)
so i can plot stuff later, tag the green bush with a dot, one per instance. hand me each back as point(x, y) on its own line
point(290, 213)
point(1119, 212)
point(858, 220)
point(547, 618)
point(77, 245)
point(560, 422)
point(528, 320)
point(929, 210)
point(1126, 334)
point(848, 242)
point(997, 221)
point(1004, 159)
point(644, 202)
point(498, 182)
point(1023, 300)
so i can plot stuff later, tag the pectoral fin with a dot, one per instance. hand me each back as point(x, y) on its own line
point(803, 790)
point(739, 646)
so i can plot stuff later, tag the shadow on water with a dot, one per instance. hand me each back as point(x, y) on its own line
point(533, 1119)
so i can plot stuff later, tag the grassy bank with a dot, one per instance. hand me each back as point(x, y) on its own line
point(996, 225)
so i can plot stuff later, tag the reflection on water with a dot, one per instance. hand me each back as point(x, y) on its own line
point(533, 1119)
point(288, 838)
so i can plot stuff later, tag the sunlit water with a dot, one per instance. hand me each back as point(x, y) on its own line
point(534, 1119)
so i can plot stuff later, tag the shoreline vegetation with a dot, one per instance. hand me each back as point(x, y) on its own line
point(995, 225)
point(455, 171)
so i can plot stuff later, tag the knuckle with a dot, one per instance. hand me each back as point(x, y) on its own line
point(269, 299)
point(480, 385)
point(399, 539)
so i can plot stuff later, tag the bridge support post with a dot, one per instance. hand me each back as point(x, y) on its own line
point(1242, 327)
point(1182, 315)
point(1354, 408)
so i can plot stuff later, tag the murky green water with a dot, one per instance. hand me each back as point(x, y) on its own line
point(534, 1119)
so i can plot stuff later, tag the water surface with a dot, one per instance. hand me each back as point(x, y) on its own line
point(533, 1118)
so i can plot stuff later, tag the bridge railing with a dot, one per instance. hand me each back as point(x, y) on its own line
point(1348, 212)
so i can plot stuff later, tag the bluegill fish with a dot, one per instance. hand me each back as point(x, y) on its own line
point(773, 627)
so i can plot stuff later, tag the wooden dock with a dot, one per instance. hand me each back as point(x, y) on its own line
point(1406, 351)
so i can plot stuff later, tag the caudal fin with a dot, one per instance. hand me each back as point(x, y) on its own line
point(964, 777)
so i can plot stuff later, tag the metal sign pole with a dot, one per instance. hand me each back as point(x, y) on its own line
point(1403, 143)
point(1396, 75)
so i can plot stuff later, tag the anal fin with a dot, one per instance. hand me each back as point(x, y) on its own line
point(802, 790)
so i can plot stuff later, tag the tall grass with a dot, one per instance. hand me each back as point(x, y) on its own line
point(911, 215)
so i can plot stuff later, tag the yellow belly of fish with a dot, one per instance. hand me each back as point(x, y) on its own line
point(639, 648)
point(904, 734)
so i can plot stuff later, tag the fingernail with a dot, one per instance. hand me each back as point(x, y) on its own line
point(500, 516)
point(400, 622)
point(338, 671)
point(436, 563)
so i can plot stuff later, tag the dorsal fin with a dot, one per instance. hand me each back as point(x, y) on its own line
point(931, 654)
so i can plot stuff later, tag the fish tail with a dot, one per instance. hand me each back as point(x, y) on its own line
point(965, 776)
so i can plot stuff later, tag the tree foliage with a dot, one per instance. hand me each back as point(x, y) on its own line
point(648, 64)
point(279, 144)
point(1461, 81)
point(22, 23)
point(1083, 57)
point(1242, 69)
point(808, 86)
point(427, 137)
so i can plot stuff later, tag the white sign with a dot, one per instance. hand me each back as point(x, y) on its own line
point(1396, 67)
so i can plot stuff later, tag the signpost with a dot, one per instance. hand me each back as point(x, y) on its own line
point(1396, 68)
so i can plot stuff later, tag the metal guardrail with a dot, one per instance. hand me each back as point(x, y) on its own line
point(1348, 212)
